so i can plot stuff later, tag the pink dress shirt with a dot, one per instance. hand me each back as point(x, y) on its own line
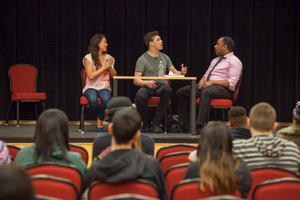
point(228, 69)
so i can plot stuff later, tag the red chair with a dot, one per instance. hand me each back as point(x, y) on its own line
point(100, 190)
point(13, 151)
point(53, 187)
point(171, 159)
point(224, 103)
point(190, 189)
point(174, 148)
point(278, 189)
point(23, 87)
point(58, 170)
point(265, 174)
point(79, 149)
point(174, 175)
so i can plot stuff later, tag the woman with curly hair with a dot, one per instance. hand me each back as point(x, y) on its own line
point(99, 68)
point(216, 165)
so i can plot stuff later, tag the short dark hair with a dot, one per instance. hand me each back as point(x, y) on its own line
point(262, 116)
point(126, 122)
point(15, 183)
point(52, 129)
point(148, 37)
point(229, 42)
point(237, 116)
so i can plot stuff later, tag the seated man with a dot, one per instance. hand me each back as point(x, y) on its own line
point(238, 122)
point(102, 142)
point(292, 133)
point(124, 163)
point(263, 149)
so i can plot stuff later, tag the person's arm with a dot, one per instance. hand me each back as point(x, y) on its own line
point(139, 82)
point(112, 71)
point(175, 71)
point(89, 68)
point(224, 83)
point(201, 83)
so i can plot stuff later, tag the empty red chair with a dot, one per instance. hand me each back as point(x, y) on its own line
point(174, 148)
point(100, 190)
point(79, 149)
point(171, 159)
point(190, 189)
point(265, 174)
point(278, 189)
point(23, 87)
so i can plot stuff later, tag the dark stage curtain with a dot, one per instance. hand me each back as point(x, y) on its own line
point(53, 35)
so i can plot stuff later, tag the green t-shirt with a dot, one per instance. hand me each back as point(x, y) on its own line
point(148, 64)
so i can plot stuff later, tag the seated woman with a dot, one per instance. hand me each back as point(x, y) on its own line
point(292, 132)
point(99, 67)
point(51, 143)
point(216, 165)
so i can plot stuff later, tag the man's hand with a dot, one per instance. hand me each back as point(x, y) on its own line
point(183, 69)
point(206, 84)
point(151, 84)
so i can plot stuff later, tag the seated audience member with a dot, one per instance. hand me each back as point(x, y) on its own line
point(216, 165)
point(15, 184)
point(51, 143)
point(263, 149)
point(4, 154)
point(124, 163)
point(238, 122)
point(101, 144)
point(292, 132)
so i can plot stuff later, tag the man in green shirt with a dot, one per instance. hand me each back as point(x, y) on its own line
point(147, 65)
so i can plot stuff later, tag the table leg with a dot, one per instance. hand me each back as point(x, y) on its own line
point(115, 87)
point(193, 107)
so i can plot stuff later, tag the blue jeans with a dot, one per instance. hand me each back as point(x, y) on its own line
point(92, 95)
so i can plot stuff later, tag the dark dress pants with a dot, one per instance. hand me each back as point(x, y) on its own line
point(211, 92)
point(144, 93)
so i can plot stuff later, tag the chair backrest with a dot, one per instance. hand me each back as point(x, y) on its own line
point(13, 151)
point(265, 174)
point(172, 159)
point(83, 77)
point(54, 187)
point(58, 170)
point(174, 175)
point(277, 189)
point(22, 78)
point(174, 148)
point(237, 89)
point(190, 189)
point(100, 190)
point(83, 152)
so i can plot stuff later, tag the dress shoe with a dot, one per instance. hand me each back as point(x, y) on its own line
point(156, 128)
point(145, 127)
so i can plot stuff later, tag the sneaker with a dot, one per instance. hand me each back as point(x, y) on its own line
point(145, 127)
point(156, 128)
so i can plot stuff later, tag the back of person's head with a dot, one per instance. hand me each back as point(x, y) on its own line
point(52, 130)
point(229, 42)
point(262, 117)
point(126, 122)
point(148, 37)
point(118, 103)
point(216, 161)
point(237, 116)
point(296, 112)
point(15, 183)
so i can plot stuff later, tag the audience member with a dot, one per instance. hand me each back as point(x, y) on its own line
point(124, 163)
point(218, 83)
point(101, 144)
point(51, 143)
point(292, 133)
point(238, 122)
point(99, 67)
point(15, 184)
point(263, 149)
point(216, 165)
point(4, 154)
point(147, 65)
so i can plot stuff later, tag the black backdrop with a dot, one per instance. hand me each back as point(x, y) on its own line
point(53, 35)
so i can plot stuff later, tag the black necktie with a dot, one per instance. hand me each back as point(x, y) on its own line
point(208, 76)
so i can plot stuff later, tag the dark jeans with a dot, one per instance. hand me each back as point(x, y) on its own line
point(211, 92)
point(92, 95)
point(144, 93)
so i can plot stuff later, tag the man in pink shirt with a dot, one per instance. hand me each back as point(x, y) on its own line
point(218, 83)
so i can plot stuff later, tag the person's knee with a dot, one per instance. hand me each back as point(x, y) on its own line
point(167, 90)
point(141, 96)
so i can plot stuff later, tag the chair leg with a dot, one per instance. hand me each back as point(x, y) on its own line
point(81, 123)
point(44, 106)
point(223, 115)
point(35, 108)
point(18, 112)
point(8, 111)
